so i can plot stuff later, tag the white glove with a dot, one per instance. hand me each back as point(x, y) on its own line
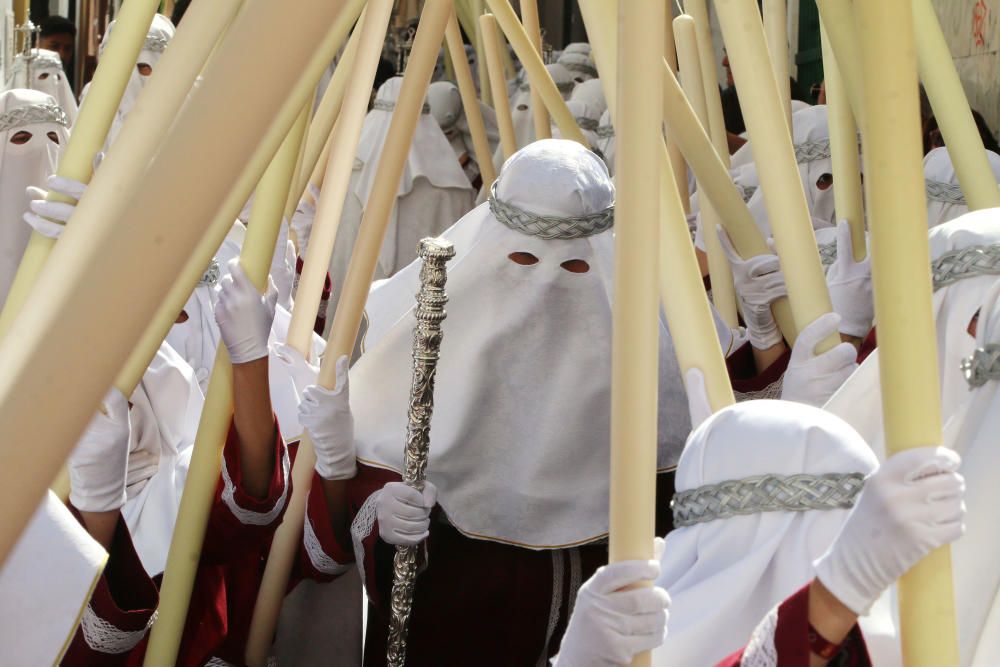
point(759, 283)
point(850, 286)
point(45, 216)
point(98, 464)
point(302, 373)
point(698, 404)
point(913, 504)
point(609, 626)
point(244, 315)
point(302, 219)
point(281, 272)
point(326, 415)
point(404, 514)
point(813, 378)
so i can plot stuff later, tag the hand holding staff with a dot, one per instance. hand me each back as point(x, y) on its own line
point(347, 320)
point(429, 312)
point(911, 398)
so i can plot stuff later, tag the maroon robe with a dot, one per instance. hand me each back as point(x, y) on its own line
point(237, 539)
point(476, 601)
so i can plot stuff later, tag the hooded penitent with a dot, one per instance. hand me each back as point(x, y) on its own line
point(433, 191)
point(42, 70)
point(965, 265)
point(520, 103)
point(587, 119)
point(744, 538)
point(973, 432)
point(519, 438)
point(161, 31)
point(945, 200)
point(580, 64)
point(446, 107)
point(812, 153)
point(591, 92)
point(33, 132)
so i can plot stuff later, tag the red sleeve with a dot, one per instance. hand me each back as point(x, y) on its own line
point(119, 613)
point(240, 522)
point(784, 633)
point(868, 346)
point(747, 381)
point(321, 557)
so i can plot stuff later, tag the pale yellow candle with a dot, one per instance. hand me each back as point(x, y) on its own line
point(319, 173)
point(449, 66)
point(206, 457)
point(723, 289)
point(775, 15)
point(321, 126)
point(844, 152)
point(538, 76)
point(716, 128)
point(635, 313)
point(689, 65)
point(788, 212)
point(346, 135)
point(22, 9)
point(65, 339)
point(951, 109)
point(681, 289)
point(347, 319)
point(494, 65)
point(683, 126)
point(685, 304)
point(689, 60)
point(529, 17)
point(215, 232)
point(677, 164)
point(911, 407)
point(473, 113)
point(485, 89)
point(87, 139)
point(838, 21)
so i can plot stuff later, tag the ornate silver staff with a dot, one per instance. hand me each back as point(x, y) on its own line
point(430, 312)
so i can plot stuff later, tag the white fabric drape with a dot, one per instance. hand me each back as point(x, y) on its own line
point(23, 165)
point(725, 575)
point(520, 432)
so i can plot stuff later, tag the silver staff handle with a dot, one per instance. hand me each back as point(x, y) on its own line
point(430, 312)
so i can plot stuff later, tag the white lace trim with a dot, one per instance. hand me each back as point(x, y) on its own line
point(250, 517)
point(771, 391)
point(361, 528)
point(317, 556)
point(103, 637)
point(760, 651)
